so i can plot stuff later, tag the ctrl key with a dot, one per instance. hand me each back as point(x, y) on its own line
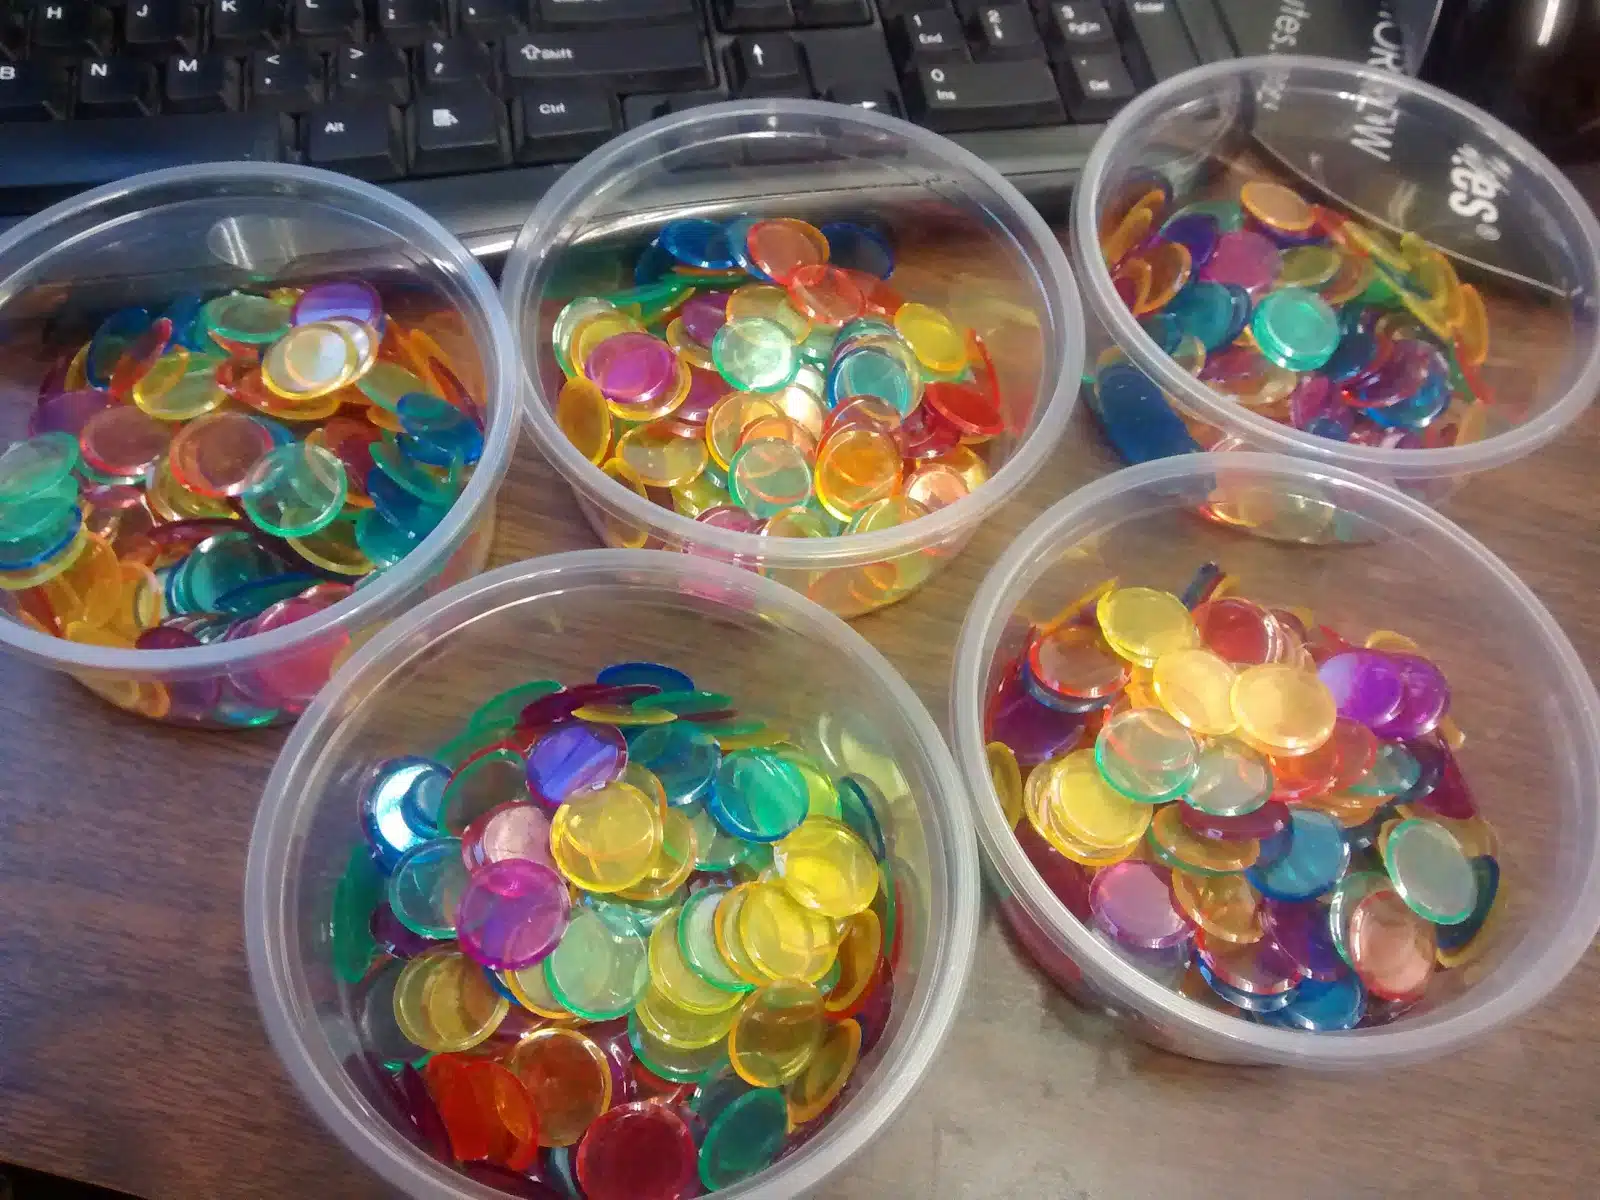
point(955, 97)
point(559, 123)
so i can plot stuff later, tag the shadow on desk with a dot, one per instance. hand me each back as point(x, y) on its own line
point(19, 1183)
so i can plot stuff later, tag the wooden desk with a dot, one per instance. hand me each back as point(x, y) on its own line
point(131, 1054)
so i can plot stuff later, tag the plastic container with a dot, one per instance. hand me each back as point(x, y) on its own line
point(1398, 155)
point(564, 617)
point(965, 241)
point(208, 229)
point(1529, 711)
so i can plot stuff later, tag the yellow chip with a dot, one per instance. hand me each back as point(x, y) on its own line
point(607, 840)
point(778, 1030)
point(671, 974)
point(1007, 777)
point(1141, 624)
point(583, 416)
point(939, 344)
point(827, 867)
point(1284, 709)
point(784, 939)
point(1196, 687)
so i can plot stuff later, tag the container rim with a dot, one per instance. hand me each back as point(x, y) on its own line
point(1404, 465)
point(993, 607)
point(268, 921)
point(406, 222)
point(608, 168)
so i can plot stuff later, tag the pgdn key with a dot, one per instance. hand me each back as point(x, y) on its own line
point(956, 97)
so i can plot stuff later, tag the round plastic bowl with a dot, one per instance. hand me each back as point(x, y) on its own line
point(1399, 156)
point(965, 242)
point(1520, 694)
point(564, 617)
point(245, 225)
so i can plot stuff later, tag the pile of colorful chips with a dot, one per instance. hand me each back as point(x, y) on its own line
point(1250, 808)
point(617, 932)
point(227, 467)
point(1299, 313)
point(763, 376)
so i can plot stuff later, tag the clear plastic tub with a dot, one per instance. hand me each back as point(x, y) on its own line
point(965, 239)
point(1400, 156)
point(1519, 692)
point(208, 229)
point(564, 617)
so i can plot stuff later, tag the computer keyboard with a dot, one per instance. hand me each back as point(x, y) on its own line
point(472, 107)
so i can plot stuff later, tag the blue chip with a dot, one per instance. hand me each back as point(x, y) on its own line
point(859, 248)
point(400, 508)
point(1323, 1006)
point(1239, 298)
point(1244, 1000)
point(681, 755)
point(1317, 855)
point(737, 232)
point(859, 801)
point(1164, 330)
point(866, 371)
point(257, 595)
point(277, 430)
point(188, 330)
point(499, 985)
point(652, 264)
point(439, 433)
point(1329, 427)
point(1136, 418)
point(113, 336)
point(652, 674)
point(1354, 354)
point(1417, 411)
point(1207, 311)
point(399, 806)
point(697, 242)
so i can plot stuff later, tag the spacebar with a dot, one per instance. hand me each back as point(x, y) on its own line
point(64, 156)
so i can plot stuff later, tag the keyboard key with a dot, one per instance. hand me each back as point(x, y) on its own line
point(288, 80)
point(638, 109)
point(811, 13)
point(931, 36)
point(1094, 86)
point(323, 24)
point(116, 87)
point(1206, 30)
point(377, 71)
point(853, 62)
point(590, 14)
point(202, 83)
point(33, 91)
point(763, 66)
point(457, 60)
point(71, 155)
point(364, 138)
point(1005, 31)
point(635, 59)
point(988, 95)
point(70, 27)
point(737, 16)
point(561, 122)
point(241, 25)
point(1153, 34)
point(1078, 29)
point(157, 28)
point(491, 20)
point(463, 129)
point(411, 22)
point(875, 96)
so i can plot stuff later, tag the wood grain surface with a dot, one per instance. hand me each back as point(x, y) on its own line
point(131, 1053)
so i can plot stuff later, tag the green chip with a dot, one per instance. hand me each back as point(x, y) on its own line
point(1295, 328)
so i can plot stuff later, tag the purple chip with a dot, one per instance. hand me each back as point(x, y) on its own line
point(1425, 699)
point(1299, 930)
point(1366, 686)
point(342, 299)
point(1271, 819)
point(1196, 232)
point(1033, 731)
point(703, 315)
point(573, 758)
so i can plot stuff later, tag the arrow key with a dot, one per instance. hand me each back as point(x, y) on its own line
point(452, 62)
point(288, 80)
point(763, 66)
point(458, 129)
point(1005, 31)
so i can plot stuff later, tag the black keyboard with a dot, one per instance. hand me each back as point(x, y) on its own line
point(472, 107)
